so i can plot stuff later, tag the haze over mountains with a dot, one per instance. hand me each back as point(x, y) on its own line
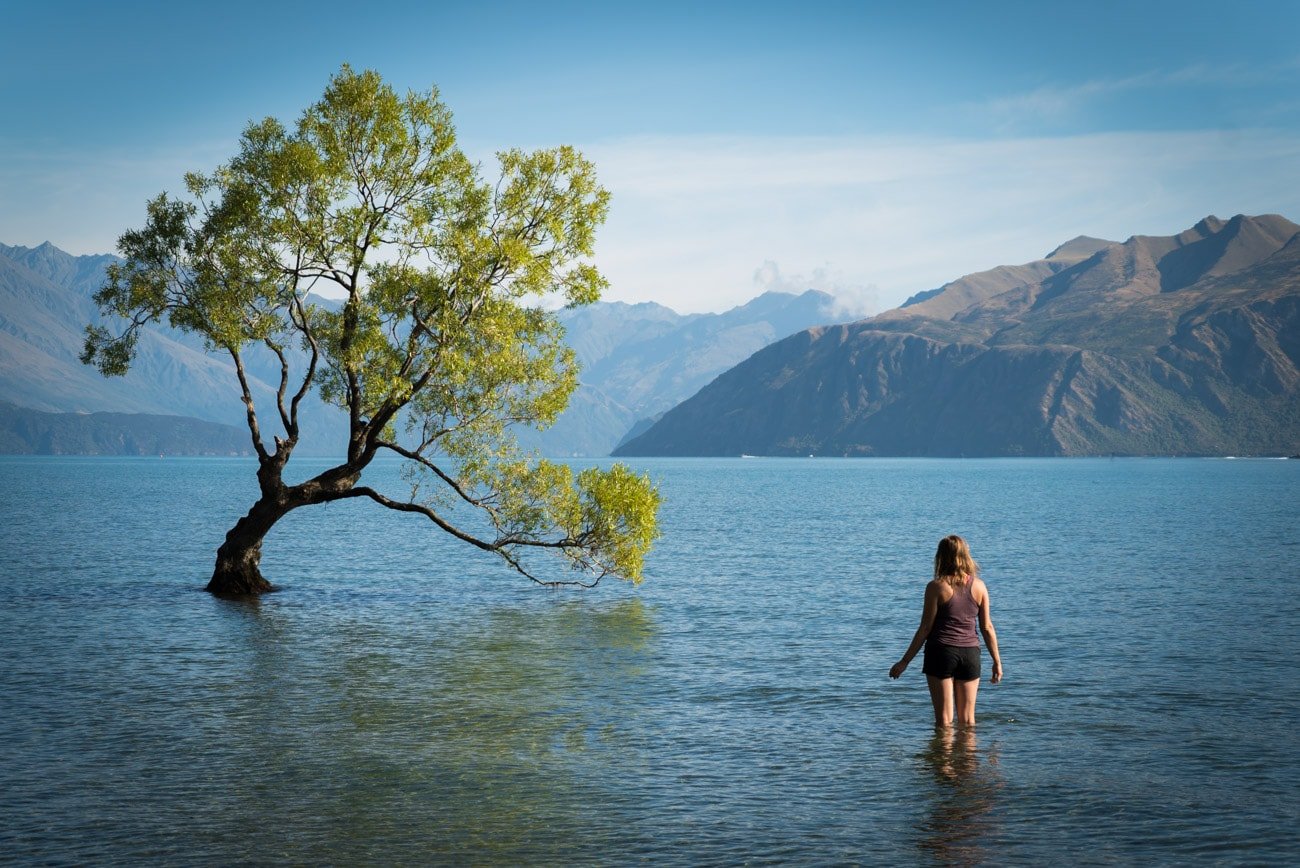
point(1187, 344)
point(638, 361)
point(28, 432)
point(45, 304)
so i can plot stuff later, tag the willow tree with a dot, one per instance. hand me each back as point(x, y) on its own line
point(439, 346)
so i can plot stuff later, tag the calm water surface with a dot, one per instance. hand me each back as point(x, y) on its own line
point(404, 699)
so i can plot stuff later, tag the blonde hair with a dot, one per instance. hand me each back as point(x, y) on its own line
point(952, 561)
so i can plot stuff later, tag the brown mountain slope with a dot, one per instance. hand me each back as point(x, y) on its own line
point(951, 298)
point(1188, 344)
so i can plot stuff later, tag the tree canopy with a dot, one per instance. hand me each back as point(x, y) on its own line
point(441, 343)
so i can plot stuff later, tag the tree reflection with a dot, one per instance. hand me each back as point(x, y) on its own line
point(404, 737)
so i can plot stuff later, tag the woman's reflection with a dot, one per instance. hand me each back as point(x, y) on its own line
point(963, 792)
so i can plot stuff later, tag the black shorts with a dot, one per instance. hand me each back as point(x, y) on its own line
point(951, 661)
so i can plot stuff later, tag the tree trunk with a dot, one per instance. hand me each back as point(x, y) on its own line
point(237, 573)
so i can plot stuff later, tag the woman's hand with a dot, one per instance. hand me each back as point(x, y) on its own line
point(897, 669)
point(997, 671)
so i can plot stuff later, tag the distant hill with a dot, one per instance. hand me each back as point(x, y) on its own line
point(32, 432)
point(1187, 344)
point(638, 360)
point(45, 304)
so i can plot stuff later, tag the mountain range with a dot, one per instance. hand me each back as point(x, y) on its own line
point(45, 304)
point(640, 360)
point(637, 362)
point(1170, 345)
point(32, 432)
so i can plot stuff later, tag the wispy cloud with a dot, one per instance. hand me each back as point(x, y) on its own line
point(693, 218)
point(852, 299)
point(82, 200)
point(1054, 102)
point(696, 221)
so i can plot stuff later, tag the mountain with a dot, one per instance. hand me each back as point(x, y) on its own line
point(952, 297)
point(1186, 344)
point(45, 304)
point(31, 432)
point(640, 360)
point(637, 360)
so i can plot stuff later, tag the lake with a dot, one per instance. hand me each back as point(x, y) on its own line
point(405, 699)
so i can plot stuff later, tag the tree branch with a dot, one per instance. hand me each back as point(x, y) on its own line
point(297, 311)
point(290, 429)
point(498, 546)
point(552, 583)
point(405, 506)
point(247, 396)
point(438, 471)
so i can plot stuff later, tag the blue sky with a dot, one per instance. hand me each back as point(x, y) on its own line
point(868, 149)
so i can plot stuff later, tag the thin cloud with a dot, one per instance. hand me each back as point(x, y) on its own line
point(691, 218)
point(1054, 102)
point(851, 300)
point(81, 201)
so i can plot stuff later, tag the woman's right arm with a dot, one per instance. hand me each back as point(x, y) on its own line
point(929, 609)
point(990, 635)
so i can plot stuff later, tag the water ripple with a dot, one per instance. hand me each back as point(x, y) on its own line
point(402, 700)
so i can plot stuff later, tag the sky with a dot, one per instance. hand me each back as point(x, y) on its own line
point(871, 150)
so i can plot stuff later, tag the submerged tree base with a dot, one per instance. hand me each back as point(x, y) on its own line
point(225, 586)
point(238, 583)
point(237, 572)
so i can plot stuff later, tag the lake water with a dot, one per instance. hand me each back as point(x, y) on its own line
point(405, 699)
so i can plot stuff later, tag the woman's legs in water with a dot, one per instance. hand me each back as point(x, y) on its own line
point(941, 695)
point(964, 692)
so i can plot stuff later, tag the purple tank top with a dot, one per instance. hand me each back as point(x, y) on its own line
point(955, 622)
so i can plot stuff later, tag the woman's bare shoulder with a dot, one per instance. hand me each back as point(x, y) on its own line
point(939, 591)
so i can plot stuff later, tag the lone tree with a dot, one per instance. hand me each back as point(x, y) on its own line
point(441, 334)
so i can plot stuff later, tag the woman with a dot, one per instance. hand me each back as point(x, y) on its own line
point(954, 600)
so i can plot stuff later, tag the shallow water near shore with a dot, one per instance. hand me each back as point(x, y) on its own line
point(406, 699)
